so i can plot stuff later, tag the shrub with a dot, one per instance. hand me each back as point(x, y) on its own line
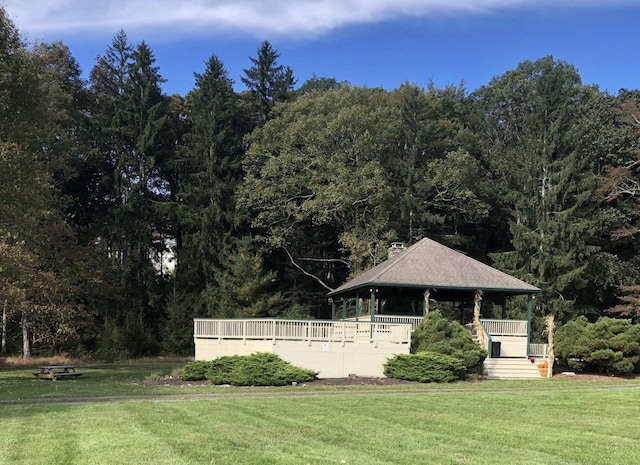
point(196, 370)
point(609, 345)
point(221, 369)
point(260, 369)
point(436, 334)
point(425, 367)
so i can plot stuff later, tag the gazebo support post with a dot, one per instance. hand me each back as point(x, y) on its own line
point(333, 309)
point(529, 305)
point(477, 302)
point(372, 305)
point(357, 306)
point(372, 311)
point(425, 307)
point(344, 309)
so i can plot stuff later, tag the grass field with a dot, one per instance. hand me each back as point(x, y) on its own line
point(102, 418)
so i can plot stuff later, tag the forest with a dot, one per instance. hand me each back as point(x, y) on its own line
point(126, 212)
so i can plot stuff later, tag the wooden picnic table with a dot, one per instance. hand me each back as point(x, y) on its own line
point(56, 372)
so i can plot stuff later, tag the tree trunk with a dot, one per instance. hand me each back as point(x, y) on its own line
point(426, 302)
point(26, 344)
point(477, 327)
point(551, 326)
point(3, 347)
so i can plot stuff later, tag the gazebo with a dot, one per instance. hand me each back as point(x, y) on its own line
point(397, 292)
point(400, 288)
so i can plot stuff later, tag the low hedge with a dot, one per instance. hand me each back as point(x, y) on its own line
point(259, 369)
point(425, 367)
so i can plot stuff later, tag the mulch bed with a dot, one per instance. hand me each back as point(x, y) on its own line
point(352, 381)
point(365, 381)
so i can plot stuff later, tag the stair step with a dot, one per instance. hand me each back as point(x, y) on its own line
point(511, 368)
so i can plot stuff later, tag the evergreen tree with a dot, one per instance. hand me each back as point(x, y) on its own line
point(267, 81)
point(207, 171)
point(130, 118)
point(210, 172)
point(440, 186)
point(531, 142)
point(243, 289)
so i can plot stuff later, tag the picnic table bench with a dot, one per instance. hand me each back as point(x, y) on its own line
point(56, 372)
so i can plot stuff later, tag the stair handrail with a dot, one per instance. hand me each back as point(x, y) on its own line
point(487, 338)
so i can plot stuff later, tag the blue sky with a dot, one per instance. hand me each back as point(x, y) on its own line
point(377, 43)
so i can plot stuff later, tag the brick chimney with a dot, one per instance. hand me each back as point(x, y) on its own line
point(396, 249)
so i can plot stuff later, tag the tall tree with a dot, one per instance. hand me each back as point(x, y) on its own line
point(210, 170)
point(130, 118)
point(25, 185)
point(40, 261)
point(267, 81)
point(619, 148)
point(532, 131)
point(318, 84)
point(434, 166)
point(315, 171)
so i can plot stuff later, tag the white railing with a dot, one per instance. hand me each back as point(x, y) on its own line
point(539, 350)
point(414, 321)
point(505, 327)
point(301, 330)
point(487, 337)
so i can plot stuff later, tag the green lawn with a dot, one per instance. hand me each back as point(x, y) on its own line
point(492, 422)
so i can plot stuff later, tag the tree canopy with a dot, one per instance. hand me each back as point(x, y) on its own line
point(125, 212)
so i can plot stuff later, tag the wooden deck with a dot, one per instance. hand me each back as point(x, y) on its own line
point(274, 329)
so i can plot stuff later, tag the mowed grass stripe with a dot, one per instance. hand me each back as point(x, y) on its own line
point(582, 427)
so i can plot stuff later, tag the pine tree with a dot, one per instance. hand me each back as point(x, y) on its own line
point(243, 289)
point(267, 81)
point(210, 170)
point(130, 118)
point(532, 143)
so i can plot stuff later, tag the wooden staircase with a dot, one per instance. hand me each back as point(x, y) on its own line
point(510, 368)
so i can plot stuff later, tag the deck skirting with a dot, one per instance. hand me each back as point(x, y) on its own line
point(329, 359)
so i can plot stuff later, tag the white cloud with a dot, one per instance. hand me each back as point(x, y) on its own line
point(45, 19)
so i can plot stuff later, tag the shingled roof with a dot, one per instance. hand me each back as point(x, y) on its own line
point(430, 265)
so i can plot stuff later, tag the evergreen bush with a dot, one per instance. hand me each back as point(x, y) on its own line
point(609, 345)
point(196, 370)
point(259, 369)
point(221, 369)
point(425, 367)
point(436, 334)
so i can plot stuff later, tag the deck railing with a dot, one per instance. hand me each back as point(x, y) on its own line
point(487, 338)
point(301, 330)
point(414, 321)
point(505, 327)
point(539, 350)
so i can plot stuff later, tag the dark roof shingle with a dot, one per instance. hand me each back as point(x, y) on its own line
point(430, 265)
